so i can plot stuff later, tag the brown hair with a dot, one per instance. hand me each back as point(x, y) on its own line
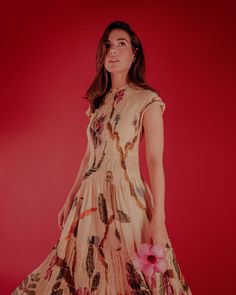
point(102, 82)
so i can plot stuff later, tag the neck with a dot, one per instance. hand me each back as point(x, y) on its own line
point(118, 81)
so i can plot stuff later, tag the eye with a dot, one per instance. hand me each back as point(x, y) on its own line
point(107, 45)
point(122, 42)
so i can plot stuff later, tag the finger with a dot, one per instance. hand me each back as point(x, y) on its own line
point(59, 224)
point(61, 221)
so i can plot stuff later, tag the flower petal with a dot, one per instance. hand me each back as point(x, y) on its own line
point(158, 250)
point(144, 249)
point(161, 265)
point(138, 262)
point(149, 270)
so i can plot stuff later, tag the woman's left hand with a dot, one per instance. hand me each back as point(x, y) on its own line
point(157, 231)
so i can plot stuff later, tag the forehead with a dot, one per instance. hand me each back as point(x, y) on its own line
point(117, 34)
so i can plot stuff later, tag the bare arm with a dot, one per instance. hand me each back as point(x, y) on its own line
point(79, 177)
point(154, 144)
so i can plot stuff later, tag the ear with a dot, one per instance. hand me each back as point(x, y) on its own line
point(134, 52)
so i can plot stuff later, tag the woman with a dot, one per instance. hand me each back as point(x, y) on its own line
point(110, 209)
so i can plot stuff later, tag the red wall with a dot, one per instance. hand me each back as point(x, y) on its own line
point(47, 63)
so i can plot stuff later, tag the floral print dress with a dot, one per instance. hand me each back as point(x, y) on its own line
point(110, 214)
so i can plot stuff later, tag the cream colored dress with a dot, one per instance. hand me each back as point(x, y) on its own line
point(110, 213)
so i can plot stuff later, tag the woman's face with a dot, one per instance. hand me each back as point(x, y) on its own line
point(119, 54)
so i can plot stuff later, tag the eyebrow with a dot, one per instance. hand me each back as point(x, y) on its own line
point(118, 39)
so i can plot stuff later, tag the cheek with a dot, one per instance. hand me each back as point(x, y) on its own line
point(128, 60)
point(127, 55)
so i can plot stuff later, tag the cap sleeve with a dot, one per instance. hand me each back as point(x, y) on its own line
point(153, 102)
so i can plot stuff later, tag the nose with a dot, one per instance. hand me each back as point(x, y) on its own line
point(112, 52)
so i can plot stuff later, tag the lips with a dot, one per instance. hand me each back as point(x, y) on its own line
point(113, 60)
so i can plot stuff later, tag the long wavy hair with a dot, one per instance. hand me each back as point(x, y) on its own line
point(101, 84)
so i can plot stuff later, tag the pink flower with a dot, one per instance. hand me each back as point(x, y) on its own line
point(119, 95)
point(150, 259)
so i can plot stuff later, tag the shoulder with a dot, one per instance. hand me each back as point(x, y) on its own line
point(146, 99)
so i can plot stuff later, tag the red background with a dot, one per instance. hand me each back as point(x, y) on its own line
point(48, 61)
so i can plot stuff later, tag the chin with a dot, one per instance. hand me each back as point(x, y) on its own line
point(116, 70)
